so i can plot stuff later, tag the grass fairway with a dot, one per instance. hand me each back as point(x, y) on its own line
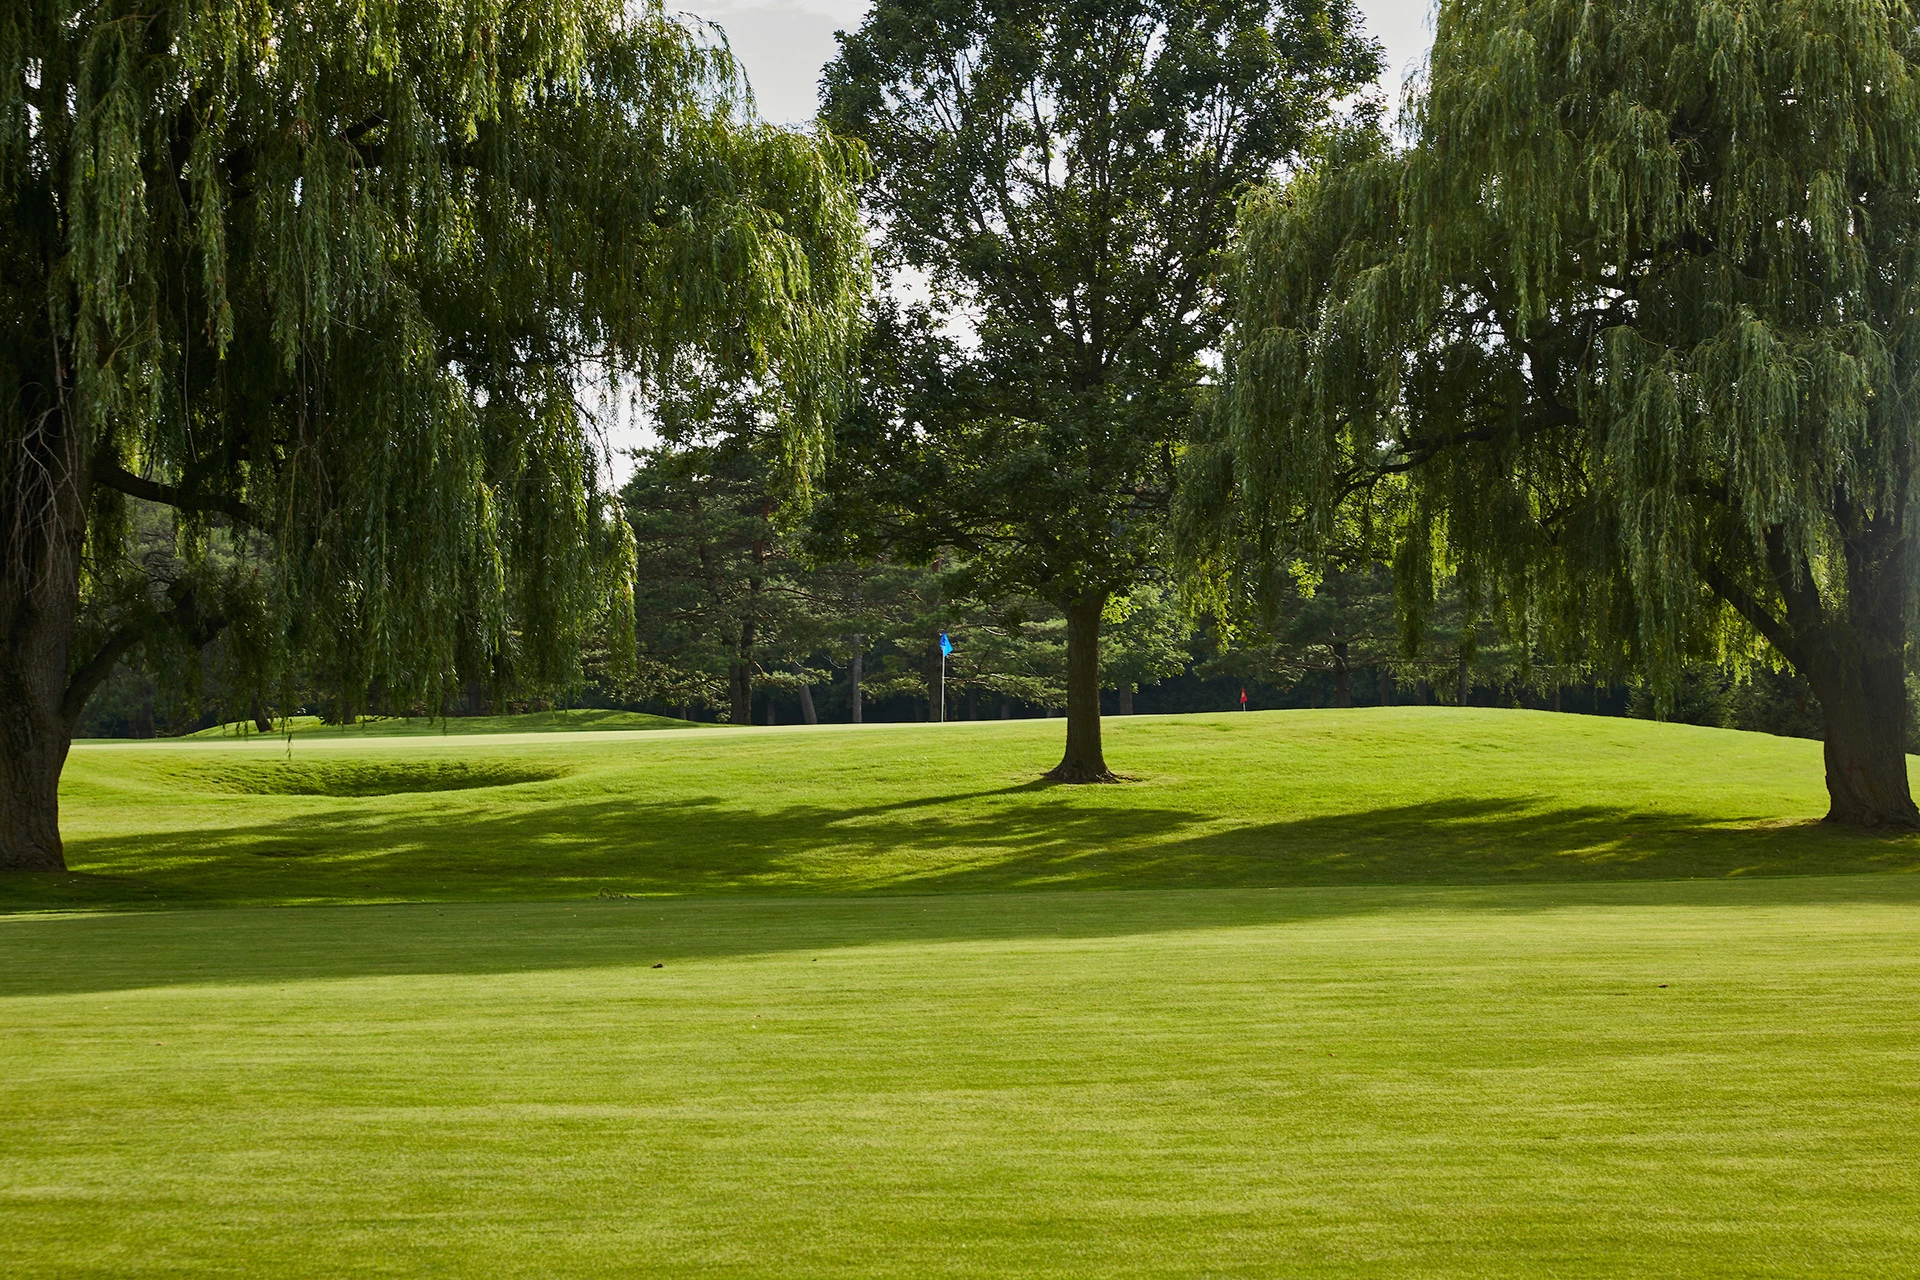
point(1321, 994)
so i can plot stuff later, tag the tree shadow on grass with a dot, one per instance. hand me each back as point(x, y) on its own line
point(60, 955)
point(986, 840)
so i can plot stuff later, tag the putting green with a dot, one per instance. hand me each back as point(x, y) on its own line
point(1623, 1080)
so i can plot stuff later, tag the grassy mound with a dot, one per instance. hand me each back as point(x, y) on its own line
point(1388, 796)
point(574, 721)
point(359, 777)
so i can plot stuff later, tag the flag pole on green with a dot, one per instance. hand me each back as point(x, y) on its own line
point(946, 651)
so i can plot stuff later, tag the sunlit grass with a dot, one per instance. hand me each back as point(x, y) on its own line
point(1408, 795)
point(1370, 994)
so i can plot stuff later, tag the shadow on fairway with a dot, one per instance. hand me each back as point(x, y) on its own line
point(251, 947)
point(975, 841)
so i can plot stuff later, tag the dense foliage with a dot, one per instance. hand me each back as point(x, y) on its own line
point(1622, 341)
point(326, 280)
point(1064, 176)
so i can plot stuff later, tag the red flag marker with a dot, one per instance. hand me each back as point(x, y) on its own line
point(1243, 701)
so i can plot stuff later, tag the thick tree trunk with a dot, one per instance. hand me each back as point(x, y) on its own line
point(34, 737)
point(261, 720)
point(1342, 676)
point(854, 679)
point(1852, 652)
point(1858, 673)
point(1466, 685)
point(43, 526)
point(1083, 761)
point(1866, 747)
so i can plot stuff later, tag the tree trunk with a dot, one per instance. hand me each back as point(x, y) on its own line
point(1126, 699)
point(807, 697)
point(1852, 653)
point(1083, 761)
point(772, 714)
point(261, 720)
point(740, 693)
point(855, 680)
point(34, 738)
point(41, 537)
point(1464, 675)
point(1342, 676)
point(1866, 750)
point(1857, 671)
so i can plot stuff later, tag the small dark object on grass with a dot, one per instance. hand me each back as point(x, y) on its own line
point(660, 966)
point(1663, 986)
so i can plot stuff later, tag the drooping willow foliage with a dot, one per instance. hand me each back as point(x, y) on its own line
point(1623, 336)
point(329, 279)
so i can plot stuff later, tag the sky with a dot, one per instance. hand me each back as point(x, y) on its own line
point(784, 43)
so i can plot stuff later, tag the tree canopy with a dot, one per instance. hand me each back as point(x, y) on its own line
point(1622, 338)
point(327, 280)
point(1065, 175)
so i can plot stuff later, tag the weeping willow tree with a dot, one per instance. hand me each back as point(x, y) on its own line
point(1623, 336)
point(322, 281)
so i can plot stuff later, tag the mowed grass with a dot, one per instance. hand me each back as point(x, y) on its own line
point(1379, 993)
point(1652, 1079)
point(1400, 795)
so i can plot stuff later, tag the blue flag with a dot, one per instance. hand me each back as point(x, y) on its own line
point(946, 645)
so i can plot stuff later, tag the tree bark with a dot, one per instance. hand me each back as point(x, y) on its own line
point(807, 714)
point(740, 693)
point(855, 680)
point(1855, 664)
point(1865, 709)
point(1083, 761)
point(41, 538)
point(1852, 653)
point(1342, 676)
point(1464, 677)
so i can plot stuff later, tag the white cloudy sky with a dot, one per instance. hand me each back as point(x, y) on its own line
point(784, 43)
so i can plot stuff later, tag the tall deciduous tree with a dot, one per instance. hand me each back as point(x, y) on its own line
point(1066, 173)
point(1634, 316)
point(330, 274)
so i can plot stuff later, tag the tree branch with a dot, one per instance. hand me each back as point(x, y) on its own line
point(1748, 606)
point(122, 640)
point(115, 476)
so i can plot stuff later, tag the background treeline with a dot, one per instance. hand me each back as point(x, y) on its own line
point(743, 615)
